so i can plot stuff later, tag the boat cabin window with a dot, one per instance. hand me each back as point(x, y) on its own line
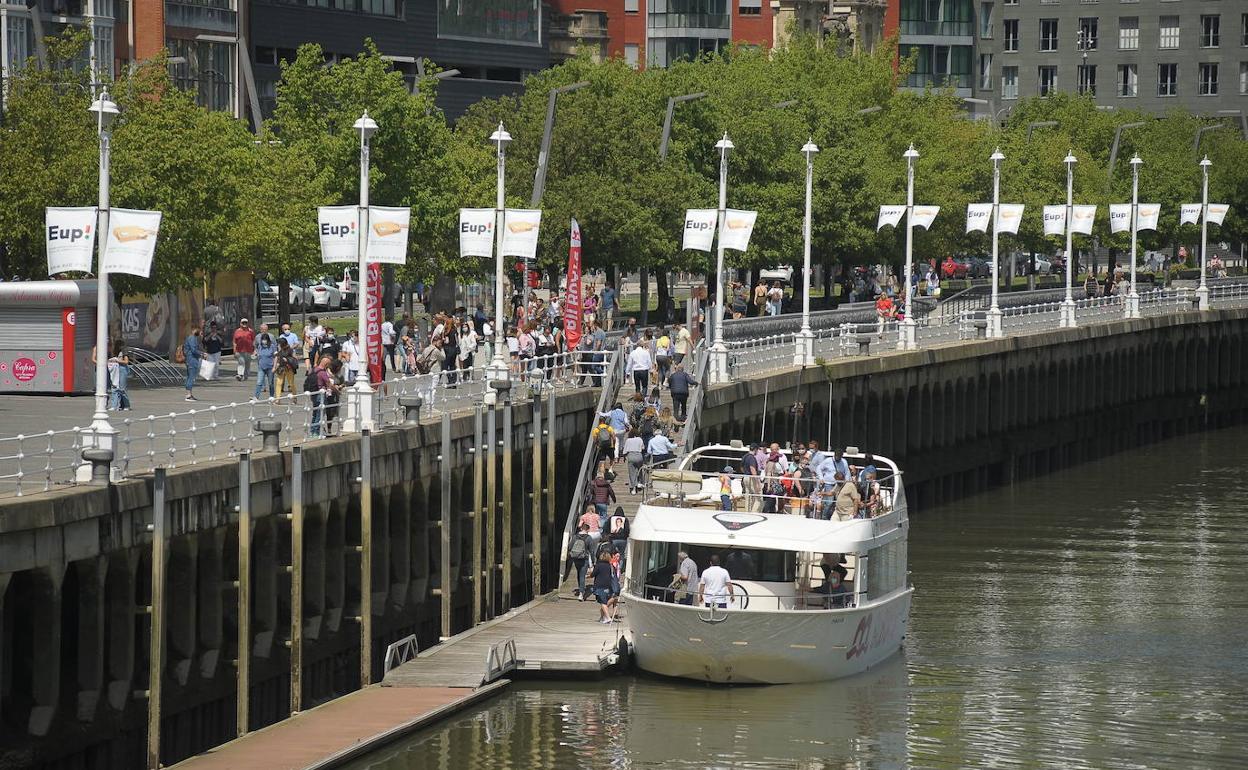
point(886, 569)
point(754, 564)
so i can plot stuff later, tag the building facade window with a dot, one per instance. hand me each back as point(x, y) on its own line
point(1048, 80)
point(1011, 35)
point(985, 21)
point(1128, 80)
point(1208, 80)
point(1048, 34)
point(755, 8)
point(206, 70)
point(1243, 29)
point(630, 6)
point(1167, 79)
point(1243, 77)
point(1128, 33)
point(939, 65)
point(1087, 34)
point(1010, 2)
point(1168, 34)
point(1087, 79)
point(1009, 82)
point(937, 17)
point(1209, 31)
point(985, 71)
point(632, 55)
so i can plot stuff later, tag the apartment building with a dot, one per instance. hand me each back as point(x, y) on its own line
point(940, 35)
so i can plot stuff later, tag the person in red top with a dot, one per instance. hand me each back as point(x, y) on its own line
point(885, 309)
point(948, 267)
point(244, 349)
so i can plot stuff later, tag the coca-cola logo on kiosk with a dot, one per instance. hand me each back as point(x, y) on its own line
point(24, 369)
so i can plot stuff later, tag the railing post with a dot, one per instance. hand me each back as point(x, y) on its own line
point(366, 557)
point(242, 721)
point(156, 654)
point(296, 580)
point(537, 495)
point(478, 510)
point(445, 529)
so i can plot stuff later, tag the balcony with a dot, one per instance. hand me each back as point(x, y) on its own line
point(209, 18)
point(688, 21)
point(925, 79)
point(937, 28)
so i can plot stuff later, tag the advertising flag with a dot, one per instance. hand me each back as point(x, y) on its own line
point(1009, 215)
point(387, 234)
point(923, 216)
point(738, 226)
point(520, 228)
point(1216, 213)
point(1119, 217)
point(699, 229)
point(476, 232)
point(1189, 213)
point(1055, 220)
point(572, 304)
point(339, 233)
point(1146, 216)
point(70, 238)
point(1082, 219)
point(131, 241)
point(977, 216)
point(372, 321)
point(889, 215)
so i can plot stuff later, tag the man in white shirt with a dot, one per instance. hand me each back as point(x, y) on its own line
point(313, 333)
point(682, 342)
point(639, 364)
point(355, 358)
point(716, 585)
point(387, 341)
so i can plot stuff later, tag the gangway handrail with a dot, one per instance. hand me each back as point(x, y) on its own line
point(499, 659)
point(400, 652)
point(694, 407)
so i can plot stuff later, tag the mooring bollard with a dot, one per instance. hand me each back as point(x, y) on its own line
point(981, 329)
point(271, 431)
point(101, 461)
point(411, 408)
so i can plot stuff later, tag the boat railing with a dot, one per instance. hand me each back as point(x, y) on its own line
point(799, 601)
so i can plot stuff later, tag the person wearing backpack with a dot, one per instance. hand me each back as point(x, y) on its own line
point(579, 551)
point(604, 438)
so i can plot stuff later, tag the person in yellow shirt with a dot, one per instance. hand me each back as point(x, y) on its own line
point(663, 353)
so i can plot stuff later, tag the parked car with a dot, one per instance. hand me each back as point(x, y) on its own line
point(297, 297)
point(781, 273)
point(976, 267)
point(1022, 263)
point(325, 294)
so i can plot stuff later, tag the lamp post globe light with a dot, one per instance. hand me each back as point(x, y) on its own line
point(994, 309)
point(804, 355)
point(1068, 304)
point(719, 352)
point(1202, 292)
point(360, 404)
point(101, 433)
point(1132, 309)
point(497, 370)
point(908, 339)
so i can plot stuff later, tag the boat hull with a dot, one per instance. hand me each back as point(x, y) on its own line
point(761, 647)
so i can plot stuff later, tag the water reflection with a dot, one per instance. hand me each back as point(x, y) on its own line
point(1097, 618)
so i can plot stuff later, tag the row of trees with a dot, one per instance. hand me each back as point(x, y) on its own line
point(234, 200)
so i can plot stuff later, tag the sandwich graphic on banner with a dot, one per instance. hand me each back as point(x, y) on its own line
point(131, 241)
point(387, 234)
point(1083, 218)
point(977, 216)
point(1119, 217)
point(1055, 220)
point(1189, 213)
point(1009, 215)
point(923, 216)
point(339, 232)
point(520, 230)
point(70, 238)
point(889, 215)
point(1216, 213)
point(1146, 215)
point(738, 226)
point(699, 229)
point(476, 232)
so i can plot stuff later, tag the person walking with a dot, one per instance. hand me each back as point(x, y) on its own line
point(266, 357)
point(244, 343)
point(678, 384)
point(313, 333)
point(118, 374)
point(579, 551)
point(775, 299)
point(193, 353)
point(318, 384)
point(601, 494)
point(213, 345)
point(388, 339)
point(661, 449)
point(682, 343)
point(604, 577)
point(639, 364)
point(635, 455)
point(285, 365)
point(355, 357)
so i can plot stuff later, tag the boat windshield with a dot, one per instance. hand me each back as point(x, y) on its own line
point(754, 564)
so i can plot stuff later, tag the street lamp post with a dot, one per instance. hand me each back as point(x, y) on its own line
point(498, 371)
point(360, 406)
point(805, 353)
point(994, 311)
point(1133, 298)
point(908, 339)
point(1202, 293)
point(719, 352)
point(101, 432)
point(1068, 304)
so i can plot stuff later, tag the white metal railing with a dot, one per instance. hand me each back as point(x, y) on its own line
point(401, 652)
point(760, 354)
point(499, 659)
point(804, 601)
point(40, 461)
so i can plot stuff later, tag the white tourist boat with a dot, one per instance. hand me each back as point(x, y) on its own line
point(780, 626)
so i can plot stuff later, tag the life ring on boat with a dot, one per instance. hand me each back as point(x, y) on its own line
point(740, 596)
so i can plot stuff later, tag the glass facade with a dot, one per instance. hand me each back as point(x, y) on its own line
point(937, 17)
point(502, 21)
point(207, 71)
point(939, 65)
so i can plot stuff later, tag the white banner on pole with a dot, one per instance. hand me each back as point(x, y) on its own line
point(387, 234)
point(1146, 216)
point(131, 241)
point(1055, 220)
point(1119, 217)
point(1083, 217)
point(1216, 213)
point(70, 238)
point(699, 229)
point(339, 231)
point(1009, 216)
point(1189, 213)
point(889, 215)
point(923, 216)
point(738, 226)
point(977, 216)
point(520, 229)
point(476, 232)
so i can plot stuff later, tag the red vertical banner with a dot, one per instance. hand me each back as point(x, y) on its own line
point(372, 322)
point(572, 306)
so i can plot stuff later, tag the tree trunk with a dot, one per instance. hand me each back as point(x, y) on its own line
point(644, 277)
point(283, 301)
point(667, 310)
point(613, 276)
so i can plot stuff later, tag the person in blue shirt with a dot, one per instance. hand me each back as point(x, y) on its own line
point(833, 464)
point(618, 419)
point(661, 449)
point(194, 352)
point(608, 305)
point(266, 352)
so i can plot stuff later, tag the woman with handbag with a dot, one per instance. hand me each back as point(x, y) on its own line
point(285, 367)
